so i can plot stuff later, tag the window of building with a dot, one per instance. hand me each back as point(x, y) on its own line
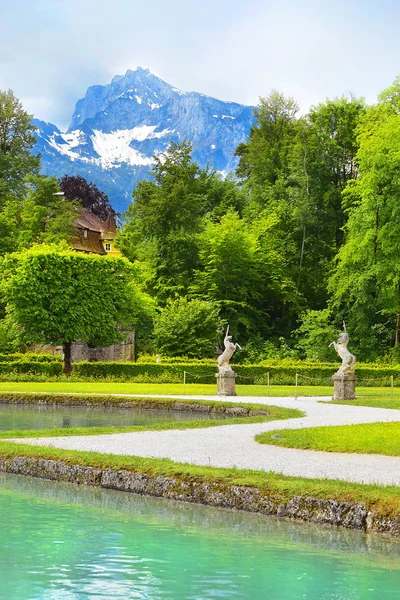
point(85, 233)
point(108, 247)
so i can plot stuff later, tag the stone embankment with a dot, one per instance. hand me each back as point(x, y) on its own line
point(230, 407)
point(350, 515)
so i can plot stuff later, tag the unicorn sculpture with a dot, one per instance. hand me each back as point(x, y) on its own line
point(348, 359)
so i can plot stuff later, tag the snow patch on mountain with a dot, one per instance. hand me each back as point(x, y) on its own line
point(114, 148)
point(65, 142)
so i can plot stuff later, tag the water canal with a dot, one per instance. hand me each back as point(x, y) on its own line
point(40, 416)
point(60, 541)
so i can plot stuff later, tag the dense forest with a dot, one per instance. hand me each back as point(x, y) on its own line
point(304, 235)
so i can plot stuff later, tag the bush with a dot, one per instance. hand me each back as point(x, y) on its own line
point(169, 360)
point(258, 349)
point(315, 334)
point(29, 357)
point(186, 327)
point(49, 369)
point(10, 336)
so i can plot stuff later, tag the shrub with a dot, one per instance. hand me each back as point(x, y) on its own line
point(186, 327)
point(315, 334)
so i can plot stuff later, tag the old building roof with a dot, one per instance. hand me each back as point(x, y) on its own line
point(88, 220)
point(109, 226)
point(89, 243)
point(90, 230)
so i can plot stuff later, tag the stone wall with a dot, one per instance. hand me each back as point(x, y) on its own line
point(123, 352)
point(350, 515)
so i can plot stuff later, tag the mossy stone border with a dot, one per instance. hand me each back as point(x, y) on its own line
point(350, 515)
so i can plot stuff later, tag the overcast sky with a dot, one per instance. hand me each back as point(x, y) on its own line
point(51, 51)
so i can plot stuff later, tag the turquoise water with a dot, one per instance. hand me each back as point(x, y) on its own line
point(27, 416)
point(59, 541)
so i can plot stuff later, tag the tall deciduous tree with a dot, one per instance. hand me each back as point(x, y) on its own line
point(230, 272)
point(366, 284)
point(57, 296)
point(166, 216)
point(42, 215)
point(76, 187)
point(297, 169)
point(16, 143)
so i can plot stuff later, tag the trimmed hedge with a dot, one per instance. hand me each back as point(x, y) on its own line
point(50, 369)
point(283, 373)
point(29, 357)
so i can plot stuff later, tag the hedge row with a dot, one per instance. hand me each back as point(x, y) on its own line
point(284, 373)
point(50, 369)
point(29, 357)
point(309, 374)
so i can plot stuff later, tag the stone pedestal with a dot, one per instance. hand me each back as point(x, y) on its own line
point(344, 386)
point(226, 383)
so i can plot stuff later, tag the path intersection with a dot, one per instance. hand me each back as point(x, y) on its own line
point(234, 445)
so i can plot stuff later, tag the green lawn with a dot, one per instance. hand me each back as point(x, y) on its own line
point(375, 401)
point(111, 387)
point(369, 438)
point(378, 397)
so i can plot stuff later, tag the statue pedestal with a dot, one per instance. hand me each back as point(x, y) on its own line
point(344, 386)
point(226, 382)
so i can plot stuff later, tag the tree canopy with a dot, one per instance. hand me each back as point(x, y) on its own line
point(16, 143)
point(58, 296)
point(90, 197)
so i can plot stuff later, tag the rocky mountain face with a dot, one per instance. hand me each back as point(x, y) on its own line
point(116, 130)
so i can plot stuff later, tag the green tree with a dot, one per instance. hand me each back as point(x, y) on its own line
point(332, 148)
point(186, 328)
point(16, 142)
point(58, 296)
point(10, 336)
point(296, 170)
point(230, 272)
point(166, 216)
point(366, 284)
point(163, 220)
point(42, 215)
point(315, 333)
point(46, 216)
point(265, 159)
point(90, 197)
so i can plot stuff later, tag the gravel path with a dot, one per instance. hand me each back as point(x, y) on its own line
point(234, 445)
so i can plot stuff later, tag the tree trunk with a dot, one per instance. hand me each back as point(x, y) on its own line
point(67, 358)
point(396, 336)
point(397, 332)
point(307, 190)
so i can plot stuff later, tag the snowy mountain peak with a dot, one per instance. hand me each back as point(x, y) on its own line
point(117, 128)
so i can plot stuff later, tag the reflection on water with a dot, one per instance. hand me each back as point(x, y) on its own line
point(62, 541)
point(35, 416)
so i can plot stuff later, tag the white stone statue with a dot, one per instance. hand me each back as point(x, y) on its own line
point(230, 347)
point(348, 359)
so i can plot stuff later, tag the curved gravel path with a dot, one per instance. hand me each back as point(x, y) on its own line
point(234, 445)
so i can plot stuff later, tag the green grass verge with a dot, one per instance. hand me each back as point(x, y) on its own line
point(368, 438)
point(375, 402)
point(110, 387)
point(275, 413)
point(385, 500)
point(367, 396)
